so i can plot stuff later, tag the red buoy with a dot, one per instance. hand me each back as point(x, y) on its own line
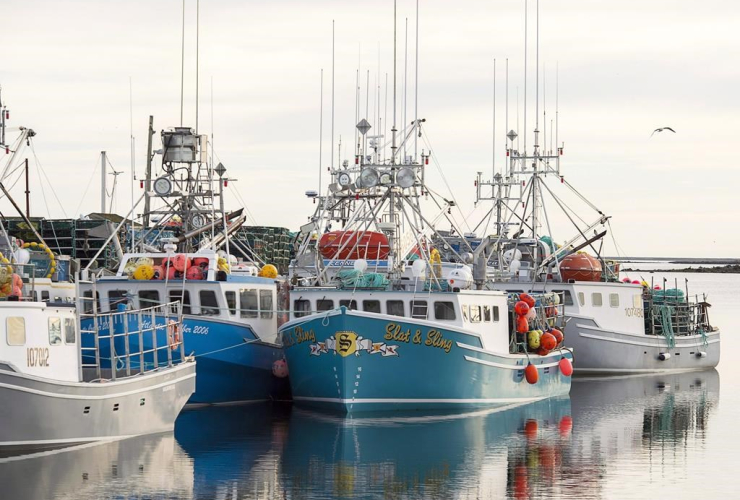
point(566, 425)
point(521, 308)
point(548, 341)
point(522, 325)
point(527, 298)
point(566, 367)
point(530, 429)
point(530, 373)
point(557, 334)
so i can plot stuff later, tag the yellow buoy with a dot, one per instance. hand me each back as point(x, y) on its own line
point(268, 271)
point(533, 338)
point(144, 272)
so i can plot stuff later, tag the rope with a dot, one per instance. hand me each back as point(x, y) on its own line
point(665, 313)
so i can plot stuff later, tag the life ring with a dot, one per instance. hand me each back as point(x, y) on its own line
point(173, 334)
point(52, 260)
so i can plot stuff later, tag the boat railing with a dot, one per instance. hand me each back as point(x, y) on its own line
point(675, 318)
point(137, 341)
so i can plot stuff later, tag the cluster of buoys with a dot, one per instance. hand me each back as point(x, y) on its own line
point(172, 268)
point(44, 248)
point(10, 283)
point(539, 341)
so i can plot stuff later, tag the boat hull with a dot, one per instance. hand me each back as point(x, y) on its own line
point(42, 413)
point(348, 362)
point(234, 365)
point(598, 350)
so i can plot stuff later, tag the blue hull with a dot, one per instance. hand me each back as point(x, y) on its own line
point(347, 361)
point(233, 366)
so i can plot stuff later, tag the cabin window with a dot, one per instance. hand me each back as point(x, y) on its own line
point(581, 298)
point(372, 306)
point(596, 299)
point(69, 331)
point(613, 300)
point(231, 301)
point(116, 298)
point(465, 314)
point(324, 305)
point(567, 297)
point(444, 310)
point(394, 308)
point(349, 304)
point(148, 298)
point(475, 314)
point(249, 303)
point(55, 331)
point(419, 309)
point(495, 314)
point(266, 304)
point(88, 302)
point(487, 314)
point(183, 297)
point(44, 295)
point(208, 303)
point(16, 330)
point(301, 307)
point(637, 301)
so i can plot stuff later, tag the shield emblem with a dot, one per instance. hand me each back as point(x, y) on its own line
point(346, 343)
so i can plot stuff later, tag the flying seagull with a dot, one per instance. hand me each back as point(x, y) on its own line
point(662, 129)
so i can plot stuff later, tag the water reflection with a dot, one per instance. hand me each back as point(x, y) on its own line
point(131, 468)
point(613, 437)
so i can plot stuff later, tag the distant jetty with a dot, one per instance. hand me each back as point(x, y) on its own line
point(728, 269)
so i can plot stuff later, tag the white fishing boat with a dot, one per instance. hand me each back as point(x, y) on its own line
point(50, 398)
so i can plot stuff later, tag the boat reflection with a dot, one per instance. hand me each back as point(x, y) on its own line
point(139, 467)
point(472, 455)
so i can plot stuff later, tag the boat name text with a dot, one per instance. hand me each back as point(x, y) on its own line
point(433, 338)
point(37, 356)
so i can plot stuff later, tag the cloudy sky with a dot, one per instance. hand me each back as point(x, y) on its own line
point(625, 68)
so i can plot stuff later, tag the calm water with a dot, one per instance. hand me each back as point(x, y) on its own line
point(662, 436)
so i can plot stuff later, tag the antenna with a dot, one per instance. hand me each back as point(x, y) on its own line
point(416, 84)
point(182, 64)
point(557, 91)
point(133, 159)
point(405, 84)
point(332, 94)
point(393, 129)
point(506, 130)
point(385, 113)
point(197, 61)
point(537, 80)
point(321, 125)
point(357, 109)
point(525, 77)
point(493, 162)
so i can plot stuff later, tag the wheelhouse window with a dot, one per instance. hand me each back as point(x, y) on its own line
point(419, 309)
point(349, 304)
point(148, 298)
point(16, 330)
point(581, 298)
point(301, 307)
point(88, 303)
point(116, 298)
point(372, 306)
point(394, 308)
point(495, 314)
point(613, 300)
point(69, 331)
point(231, 301)
point(183, 297)
point(567, 297)
point(249, 303)
point(465, 312)
point(444, 310)
point(44, 295)
point(637, 301)
point(596, 299)
point(324, 305)
point(208, 303)
point(55, 331)
point(266, 304)
point(487, 314)
point(475, 314)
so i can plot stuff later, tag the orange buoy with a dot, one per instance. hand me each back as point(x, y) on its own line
point(525, 297)
point(548, 341)
point(181, 262)
point(566, 367)
point(530, 429)
point(159, 273)
point(521, 308)
point(522, 325)
point(194, 273)
point(557, 334)
point(531, 374)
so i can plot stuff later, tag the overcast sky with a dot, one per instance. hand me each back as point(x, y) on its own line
point(625, 68)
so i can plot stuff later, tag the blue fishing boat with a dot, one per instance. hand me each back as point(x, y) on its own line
point(181, 252)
